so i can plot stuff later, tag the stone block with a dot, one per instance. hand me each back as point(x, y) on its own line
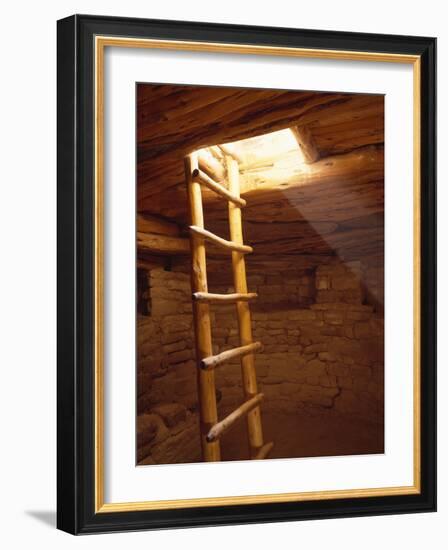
point(377, 326)
point(349, 332)
point(313, 380)
point(328, 381)
point(269, 290)
point(150, 427)
point(148, 348)
point(345, 382)
point(277, 324)
point(338, 370)
point(290, 389)
point(352, 296)
point(186, 369)
point(175, 346)
point(181, 445)
point(255, 280)
point(342, 306)
point(150, 365)
point(176, 323)
point(144, 402)
point(276, 332)
point(359, 371)
point(219, 332)
point(358, 315)
point(318, 396)
point(162, 307)
point(306, 291)
point(178, 357)
point(291, 289)
point(360, 385)
point(322, 283)
point(327, 356)
point(345, 282)
point(334, 317)
point(274, 348)
point(272, 379)
point(326, 296)
point(302, 315)
point(144, 383)
point(363, 330)
point(316, 367)
point(333, 331)
point(375, 389)
point(171, 337)
point(355, 266)
point(160, 273)
point(171, 413)
point(274, 280)
point(148, 460)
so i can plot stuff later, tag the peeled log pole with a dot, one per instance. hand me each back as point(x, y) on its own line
point(306, 143)
point(264, 451)
point(228, 355)
point(201, 314)
point(162, 244)
point(212, 167)
point(249, 376)
point(229, 245)
point(202, 177)
point(230, 150)
point(210, 297)
point(221, 427)
point(152, 224)
point(325, 185)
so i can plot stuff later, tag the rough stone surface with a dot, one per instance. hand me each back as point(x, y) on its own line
point(322, 337)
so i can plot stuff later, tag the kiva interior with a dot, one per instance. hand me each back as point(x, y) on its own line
point(309, 168)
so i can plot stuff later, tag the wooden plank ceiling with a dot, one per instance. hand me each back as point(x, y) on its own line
point(328, 200)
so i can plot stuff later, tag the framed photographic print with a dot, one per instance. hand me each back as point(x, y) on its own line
point(246, 274)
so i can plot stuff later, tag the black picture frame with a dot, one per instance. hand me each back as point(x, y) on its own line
point(76, 255)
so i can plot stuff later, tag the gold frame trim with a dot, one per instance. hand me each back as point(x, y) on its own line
point(101, 42)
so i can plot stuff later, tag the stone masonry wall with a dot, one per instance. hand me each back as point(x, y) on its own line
point(167, 429)
point(328, 355)
point(322, 348)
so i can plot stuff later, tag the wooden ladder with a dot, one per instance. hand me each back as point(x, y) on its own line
point(211, 428)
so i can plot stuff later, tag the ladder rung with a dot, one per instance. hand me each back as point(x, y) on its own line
point(236, 297)
point(264, 451)
point(204, 179)
point(221, 427)
point(229, 150)
point(215, 360)
point(212, 167)
point(230, 245)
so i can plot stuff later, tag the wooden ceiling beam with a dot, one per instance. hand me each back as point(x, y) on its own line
point(306, 143)
point(154, 224)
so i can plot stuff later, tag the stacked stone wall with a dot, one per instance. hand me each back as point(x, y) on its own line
point(322, 348)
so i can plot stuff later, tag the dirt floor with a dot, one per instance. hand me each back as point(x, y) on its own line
point(308, 433)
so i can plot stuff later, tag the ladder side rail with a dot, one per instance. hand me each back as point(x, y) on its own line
point(254, 426)
point(201, 313)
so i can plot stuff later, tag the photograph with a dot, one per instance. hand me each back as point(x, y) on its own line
point(259, 273)
point(246, 267)
point(222, 223)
